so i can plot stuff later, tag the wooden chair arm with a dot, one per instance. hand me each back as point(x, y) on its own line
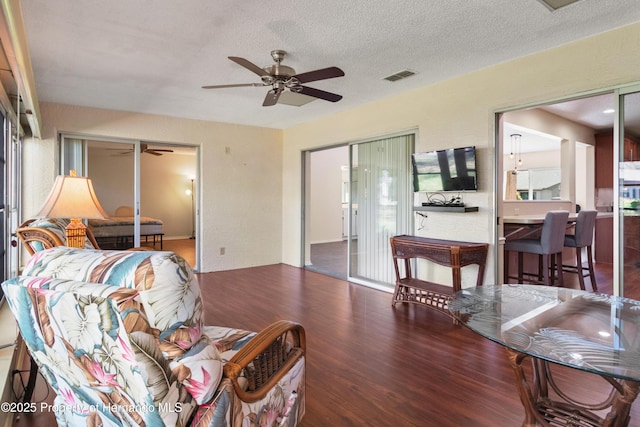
point(49, 239)
point(265, 359)
point(36, 234)
point(92, 238)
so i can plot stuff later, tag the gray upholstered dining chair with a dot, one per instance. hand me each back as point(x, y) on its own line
point(583, 238)
point(548, 246)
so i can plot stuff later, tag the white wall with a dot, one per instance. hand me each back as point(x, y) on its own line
point(585, 176)
point(240, 200)
point(535, 160)
point(164, 180)
point(571, 134)
point(325, 212)
point(112, 178)
point(163, 184)
point(460, 112)
point(551, 124)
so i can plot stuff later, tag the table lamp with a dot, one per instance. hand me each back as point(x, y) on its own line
point(73, 197)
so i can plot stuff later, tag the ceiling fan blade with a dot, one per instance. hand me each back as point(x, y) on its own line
point(233, 85)
point(272, 97)
point(249, 65)
point(322, 74)
point(160, 150)
point(317, 93)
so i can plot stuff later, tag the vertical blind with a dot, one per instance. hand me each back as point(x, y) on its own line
point(384, 201)
point(72, 156)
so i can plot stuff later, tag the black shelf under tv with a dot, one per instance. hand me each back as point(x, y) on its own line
point(444, 208)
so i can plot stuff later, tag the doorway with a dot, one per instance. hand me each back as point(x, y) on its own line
point(357, 196)
point(148, 189)
point(328, 218)
point(560, 156)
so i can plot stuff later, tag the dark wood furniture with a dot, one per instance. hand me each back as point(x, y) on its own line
point(604, 239)
point(449, 253)
point(604, 160)
point(126, 242)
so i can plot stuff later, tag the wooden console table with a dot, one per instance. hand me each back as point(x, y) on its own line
point(449, 253)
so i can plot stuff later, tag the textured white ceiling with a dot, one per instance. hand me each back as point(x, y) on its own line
point(153, 56)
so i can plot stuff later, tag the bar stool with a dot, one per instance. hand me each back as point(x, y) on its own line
point(547, 247)
point(583, 238)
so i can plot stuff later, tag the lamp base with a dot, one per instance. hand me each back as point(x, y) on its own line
point(76, 233)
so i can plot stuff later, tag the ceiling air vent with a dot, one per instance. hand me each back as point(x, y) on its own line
point(557, 4)
point(399, 75)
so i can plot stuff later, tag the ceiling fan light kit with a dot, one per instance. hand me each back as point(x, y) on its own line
point(281, 77)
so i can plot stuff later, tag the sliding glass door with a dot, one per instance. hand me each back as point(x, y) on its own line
point(613, 188)
point(381, 201)
point(150, 191)
point(10, 202)
point(628, 137)
point(110, 165)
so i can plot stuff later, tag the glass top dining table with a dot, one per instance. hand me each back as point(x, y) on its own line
point(591, 332)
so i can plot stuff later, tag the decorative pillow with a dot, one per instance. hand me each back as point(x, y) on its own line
point(123, 211)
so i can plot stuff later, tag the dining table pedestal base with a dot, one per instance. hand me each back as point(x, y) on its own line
point(561, 410)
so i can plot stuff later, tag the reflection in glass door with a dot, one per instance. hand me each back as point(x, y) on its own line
point(381, 200)
point(150, 192)
point(629, 195)
point(111, 167)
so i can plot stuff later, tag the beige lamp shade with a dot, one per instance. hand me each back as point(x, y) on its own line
point(72, 197)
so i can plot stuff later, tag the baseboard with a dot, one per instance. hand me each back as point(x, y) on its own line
point(319, 242)
point(175, 238)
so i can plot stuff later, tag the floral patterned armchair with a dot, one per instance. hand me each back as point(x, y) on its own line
point(120, 337)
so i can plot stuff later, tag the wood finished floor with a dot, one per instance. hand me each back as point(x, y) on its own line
point(186, 248)
point(369, 364)
point(329, 258)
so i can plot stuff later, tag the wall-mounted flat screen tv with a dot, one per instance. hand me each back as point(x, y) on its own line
point(453, 169)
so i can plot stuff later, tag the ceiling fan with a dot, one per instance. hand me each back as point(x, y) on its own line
point(281, 77)
point(144, 148)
